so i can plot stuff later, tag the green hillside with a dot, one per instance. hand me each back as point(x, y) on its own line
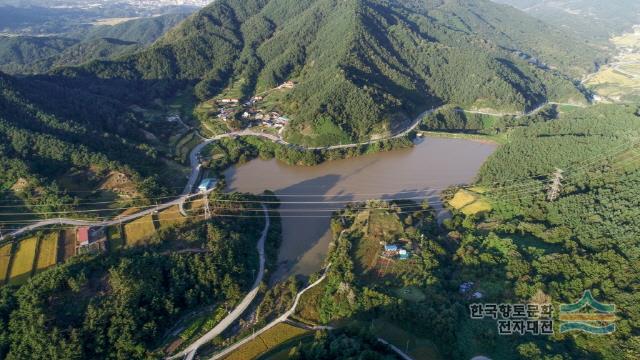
point(54, 141)
point(363, 67)
point(20, 52)
point(525, 250)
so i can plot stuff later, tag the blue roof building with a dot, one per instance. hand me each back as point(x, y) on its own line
point(207, 184)
point(390, 248)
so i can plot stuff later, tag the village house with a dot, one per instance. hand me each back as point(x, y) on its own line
point(90, 238)
point(230, 101)
point(393, 251)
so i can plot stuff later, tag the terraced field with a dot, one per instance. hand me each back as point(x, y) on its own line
point(619, 81)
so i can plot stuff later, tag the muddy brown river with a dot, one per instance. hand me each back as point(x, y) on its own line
point(310, 194)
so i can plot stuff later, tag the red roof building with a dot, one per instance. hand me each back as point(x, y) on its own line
point(82, 236)
point(87, 235)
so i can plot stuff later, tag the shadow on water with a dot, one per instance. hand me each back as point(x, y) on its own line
point(306, 212)
point(310, 195)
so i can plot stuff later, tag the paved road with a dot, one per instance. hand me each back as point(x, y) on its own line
point(285, 318)
point(190, 351)
point(194, 159)
point(275, 322)
point(520, 114)
point(124, 219)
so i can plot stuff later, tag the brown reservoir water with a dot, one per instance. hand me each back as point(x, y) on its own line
point(309, 195)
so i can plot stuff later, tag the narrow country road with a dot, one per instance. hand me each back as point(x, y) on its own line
point(194, 159)
point(285, 318)
point(190, 351)
point(275, 322)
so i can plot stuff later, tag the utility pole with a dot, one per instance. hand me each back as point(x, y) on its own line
point(207, 209)
point(555, 186)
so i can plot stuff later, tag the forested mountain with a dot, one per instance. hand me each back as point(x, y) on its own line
point(593, 19)
point(122, 304)
point(31, 54)
point(527, 249)
point(48, 131)
point(363, 67)
point(17, 53)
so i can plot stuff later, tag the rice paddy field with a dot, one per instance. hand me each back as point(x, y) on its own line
point(620, 79)
point(469, 203)
point(268, 341)
point(48, 251)
point(23, 259)
point(5, 257)
point(139, 230)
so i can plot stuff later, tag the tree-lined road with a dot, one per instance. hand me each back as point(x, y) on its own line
point(275, 322)
point(190, 351)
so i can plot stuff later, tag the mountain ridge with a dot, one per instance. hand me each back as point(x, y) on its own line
point(362, 66)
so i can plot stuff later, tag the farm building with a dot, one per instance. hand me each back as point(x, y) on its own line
point(391, 248)
point(90, 239)
point(207, 184)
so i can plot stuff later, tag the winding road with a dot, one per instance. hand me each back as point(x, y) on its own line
point(194, 159)
point(285, 318)
point(190, 351)
point(275, 322)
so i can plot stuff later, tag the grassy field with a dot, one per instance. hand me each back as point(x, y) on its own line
point(417, 348)
point(22, 263)
point(274, 337)
point(171, 217)
point(139, 230)
point(48, 251)
point(5, 257)
point(116, 240)
point(184, 145)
